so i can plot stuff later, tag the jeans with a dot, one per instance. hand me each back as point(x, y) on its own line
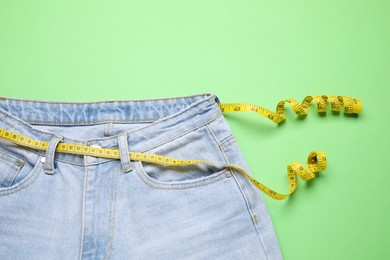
point(71, 206)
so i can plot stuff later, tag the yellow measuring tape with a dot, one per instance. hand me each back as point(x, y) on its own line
point(316, 161)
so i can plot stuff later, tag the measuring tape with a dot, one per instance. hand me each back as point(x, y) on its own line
point(316, 161)
point(351, 106)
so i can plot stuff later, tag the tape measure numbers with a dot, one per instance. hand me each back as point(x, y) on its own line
point(316, 161)
point(351, 106)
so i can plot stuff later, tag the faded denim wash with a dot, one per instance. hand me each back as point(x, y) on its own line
point(66, 206)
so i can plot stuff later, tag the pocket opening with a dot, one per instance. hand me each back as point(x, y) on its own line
point(10, 167)
point(25, 174)
point(183, 176)
point(198, 144)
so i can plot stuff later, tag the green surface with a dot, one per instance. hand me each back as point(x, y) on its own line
point(244, 51)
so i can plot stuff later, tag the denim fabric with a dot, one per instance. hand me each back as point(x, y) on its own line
point(66, 206)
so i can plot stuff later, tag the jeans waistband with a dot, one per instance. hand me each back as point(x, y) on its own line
point(167, 118)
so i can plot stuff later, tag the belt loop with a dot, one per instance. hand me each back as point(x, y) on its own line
point(50, 151)
point(124, 152)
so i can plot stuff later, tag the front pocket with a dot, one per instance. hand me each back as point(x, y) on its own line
point(19, 177)
point(197, 144)
point(179, 177)
point(9, 168)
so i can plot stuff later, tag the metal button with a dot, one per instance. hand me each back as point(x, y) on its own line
point(43, 160)
point(19, 163)
point(228, 174)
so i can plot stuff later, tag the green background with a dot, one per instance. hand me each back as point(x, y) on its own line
point(243, 51)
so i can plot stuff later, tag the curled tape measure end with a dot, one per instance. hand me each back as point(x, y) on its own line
point(351, 106)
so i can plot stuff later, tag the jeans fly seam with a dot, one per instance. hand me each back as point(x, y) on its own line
point(112, 217)
point(247, 205)
point(84, 213)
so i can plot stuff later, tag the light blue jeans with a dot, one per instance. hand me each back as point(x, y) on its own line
point(66, 206)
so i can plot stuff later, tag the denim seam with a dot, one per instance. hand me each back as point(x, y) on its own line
point(14, 170)
point(112, 211)
point(218, 145)
point(32, 129)
point(84, 213)
point(228, 141)
point(11, 175)
point(212, 133)
point(27, 181)
point(250, 211)
point(224, 155)
point(102, 101)
point(91, 123)
point(13, 127)
point(12, 178)
point(203, 182)
point(248, 205)
point(7, 156)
